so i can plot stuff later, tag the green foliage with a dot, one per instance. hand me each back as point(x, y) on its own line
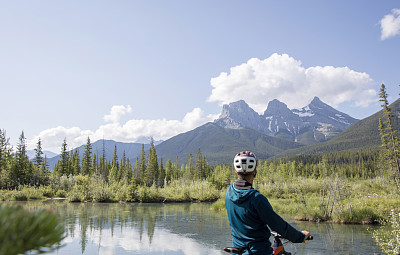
point(218, 205)
point(80, 191)
point(22, 230)
point(87, 158)
point(147, 194)
point(61, 193)
point(390, 141)
point(388, 235)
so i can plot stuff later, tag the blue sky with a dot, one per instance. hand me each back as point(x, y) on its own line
point(125, 70)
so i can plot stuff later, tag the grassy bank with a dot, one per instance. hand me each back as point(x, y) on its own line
point(330, 199)
point(87, 189)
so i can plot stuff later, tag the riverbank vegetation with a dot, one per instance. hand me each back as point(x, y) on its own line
point(345, 187)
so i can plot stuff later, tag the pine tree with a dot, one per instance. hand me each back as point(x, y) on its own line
point(19, 174)
point(64, 161)
point(161, 177)
point(168, 171)
point(76, 165)
point(206, 167)
point(38, 160)
point(190, 168)
point(5, 158)
point(87, 158)
point(103, 168)
point(94, 165)
point(199, 170)
point(123, 166)
point(151, 174)
point(136, 173)
point(113, 175)
point(390, 141)
point(44, 172)
point(142, 166)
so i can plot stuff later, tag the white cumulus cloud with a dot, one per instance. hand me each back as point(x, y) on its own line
point(284, 78)
point(117, 111)
point(390, 24)
point(130, 131)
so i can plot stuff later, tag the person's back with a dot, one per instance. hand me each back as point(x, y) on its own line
point(250, 214)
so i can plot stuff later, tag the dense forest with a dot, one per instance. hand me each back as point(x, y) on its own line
point(17, 171)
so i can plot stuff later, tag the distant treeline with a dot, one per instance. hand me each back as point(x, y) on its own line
point(17, 170)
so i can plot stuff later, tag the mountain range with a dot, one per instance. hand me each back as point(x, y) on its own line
point(314, 123)
point(279, 131)
point(363, 135)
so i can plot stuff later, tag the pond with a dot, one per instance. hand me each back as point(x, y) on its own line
point(182, 228)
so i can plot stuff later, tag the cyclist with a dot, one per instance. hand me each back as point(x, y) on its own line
point(250, 214)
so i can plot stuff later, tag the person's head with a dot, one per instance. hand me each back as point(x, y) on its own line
point(245, 164)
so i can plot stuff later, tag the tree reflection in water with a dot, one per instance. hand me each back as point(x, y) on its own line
point(186, 228)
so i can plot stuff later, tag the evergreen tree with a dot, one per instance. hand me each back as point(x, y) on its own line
point(5, 158)
point(20, 170)
point(38, 160)
point(136, 173)
point(189, 168)
point(75, 164)
point(199, 170)
point(161, 178)
point(151, 174)
point(390, 141)
point(87, 158)
point(103, 168)
point(44, 172)
point(63, 168)
point(168, 171)
point(94, 165)
point(114, 170)
point(142, 166)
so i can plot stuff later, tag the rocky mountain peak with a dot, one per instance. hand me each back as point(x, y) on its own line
point(276, 107)
point(313, 123)
point(236, 115)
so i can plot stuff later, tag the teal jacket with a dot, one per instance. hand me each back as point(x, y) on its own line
point(251, 217)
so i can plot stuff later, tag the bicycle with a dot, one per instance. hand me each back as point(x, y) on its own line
point(277, 246)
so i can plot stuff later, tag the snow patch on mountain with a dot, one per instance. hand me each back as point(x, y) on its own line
point(317, 117)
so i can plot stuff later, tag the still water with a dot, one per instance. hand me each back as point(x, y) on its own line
point(186, 228)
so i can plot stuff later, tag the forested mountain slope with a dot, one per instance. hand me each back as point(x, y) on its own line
point(363, 135)
point(221, 144)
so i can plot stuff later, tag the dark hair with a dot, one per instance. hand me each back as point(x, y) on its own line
point(247, 176)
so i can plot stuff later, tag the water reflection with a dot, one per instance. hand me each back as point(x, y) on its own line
point(140, 228)
point(338, 239)
point(180, 229)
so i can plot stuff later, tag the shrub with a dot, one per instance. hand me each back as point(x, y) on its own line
point(61, 193)
point(146, 194)
point(46, 191)
point(388, 236)
point(218, 205)
point(75, 195)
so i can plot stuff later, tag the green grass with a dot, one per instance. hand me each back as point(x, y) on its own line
point(301, 198)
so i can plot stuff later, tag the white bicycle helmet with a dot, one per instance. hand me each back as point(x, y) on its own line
point(245, 162)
